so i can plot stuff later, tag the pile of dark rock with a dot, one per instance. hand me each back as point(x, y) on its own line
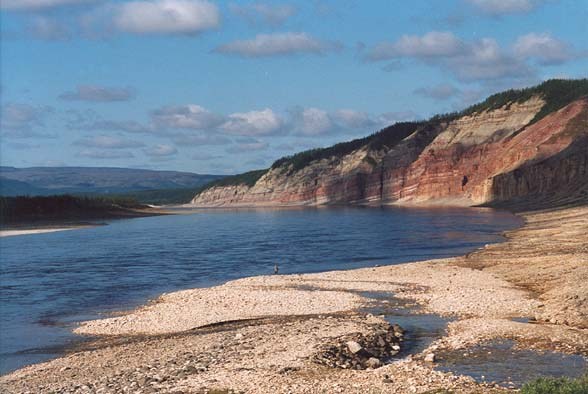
point(359, 351)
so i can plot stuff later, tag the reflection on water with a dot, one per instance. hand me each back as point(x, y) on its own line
point(48, 281)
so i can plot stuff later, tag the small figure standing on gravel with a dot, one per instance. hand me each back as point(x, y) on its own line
point(276, 269)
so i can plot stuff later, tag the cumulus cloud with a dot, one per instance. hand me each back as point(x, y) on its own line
point(278, 44)
point(253, 123)
point(166, 16)
point(257, 13)
point(194, 125)
point(544, 48)
point(21, 115)
point(105, 155)
point(438, 92)
point(503, 7)
point(486, 61)
point(28, 5)
point(189, 116)
point(96, 93)
point(161, 150)
point(108, 142)
point(478, 60)
point(311, 121)
point(23, 120)
point(353, 119)
point(431, 45)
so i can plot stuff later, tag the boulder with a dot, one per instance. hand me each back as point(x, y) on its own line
point(354, 347)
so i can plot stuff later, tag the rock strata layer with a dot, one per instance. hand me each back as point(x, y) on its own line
point(493, 156)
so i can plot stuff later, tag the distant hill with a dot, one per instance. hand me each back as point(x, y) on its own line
point(40, 181)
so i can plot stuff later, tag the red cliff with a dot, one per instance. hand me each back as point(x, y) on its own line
point(502, 150)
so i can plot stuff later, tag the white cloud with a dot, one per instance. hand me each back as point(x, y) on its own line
point(543, 47)
point(503, 7)
point(166, 16)
point(311, 121)
point(477, 60)
point(350, 118)
point(189, 116)
point(438, 92)
point(23, 120)
point(108, 142)
point(264, 13)
point(26, 5)
point(96, 93)
point(253, 123)
point(486, 61)
point(21, 115)
point(161, 150)
point(277, 44)
point(431, 45)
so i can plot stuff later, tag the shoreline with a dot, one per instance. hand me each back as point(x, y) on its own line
point(50, 226)
point(13, 232)
point(484, 290)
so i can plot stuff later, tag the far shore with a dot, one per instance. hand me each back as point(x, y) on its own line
point(263, 334)
point(50, 225)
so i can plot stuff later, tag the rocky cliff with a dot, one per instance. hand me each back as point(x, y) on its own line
point(529, 145)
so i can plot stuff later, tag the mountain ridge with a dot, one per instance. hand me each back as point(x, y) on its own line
point(99, 180)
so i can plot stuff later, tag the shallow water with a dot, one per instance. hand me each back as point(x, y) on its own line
point(420, 329)
point(50, 281)
point(502, 363)
point(495, 361)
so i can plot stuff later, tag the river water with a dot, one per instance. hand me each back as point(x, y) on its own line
point(48, 282)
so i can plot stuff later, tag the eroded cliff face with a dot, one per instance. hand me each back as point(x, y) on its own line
point(491, 156)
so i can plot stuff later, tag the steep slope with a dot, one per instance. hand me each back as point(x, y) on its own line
point(518, 145)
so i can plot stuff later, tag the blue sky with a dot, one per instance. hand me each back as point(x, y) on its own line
point(227, 86)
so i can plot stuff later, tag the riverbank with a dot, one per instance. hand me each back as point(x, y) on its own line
point(23, 215)
point(14, 232)
point(261, 334)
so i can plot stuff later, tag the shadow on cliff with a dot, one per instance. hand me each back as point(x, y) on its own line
point(558, 181)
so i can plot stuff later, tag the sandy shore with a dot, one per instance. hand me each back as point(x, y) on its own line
point(260, 334)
